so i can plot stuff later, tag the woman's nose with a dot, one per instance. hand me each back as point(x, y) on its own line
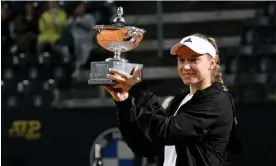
point(186, 66)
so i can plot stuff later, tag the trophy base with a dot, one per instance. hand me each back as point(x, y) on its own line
point(99, 70)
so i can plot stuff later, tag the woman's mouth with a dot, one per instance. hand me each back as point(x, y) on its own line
point(188, 74)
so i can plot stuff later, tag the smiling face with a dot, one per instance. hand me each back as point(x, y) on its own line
point(193, 68)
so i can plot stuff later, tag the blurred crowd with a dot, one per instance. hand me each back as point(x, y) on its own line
point(63, 27)
point(44, 46)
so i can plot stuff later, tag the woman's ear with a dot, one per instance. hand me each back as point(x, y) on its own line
point(213, 63)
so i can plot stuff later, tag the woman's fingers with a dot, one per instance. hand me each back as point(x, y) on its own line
point(109, 90)
point(116, 78)
point(137, 72)
point(112, 92)
point(125, 81)
point(122, 74)
point(116, 86)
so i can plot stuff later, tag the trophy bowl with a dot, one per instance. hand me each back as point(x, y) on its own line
point(117, 38)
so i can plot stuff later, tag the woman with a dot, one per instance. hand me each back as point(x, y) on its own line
point(198, 127)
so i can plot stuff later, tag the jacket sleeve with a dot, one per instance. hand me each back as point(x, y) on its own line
point(186, 126)
point(130, 131)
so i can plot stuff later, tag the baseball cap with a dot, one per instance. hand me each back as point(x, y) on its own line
point(197, 44)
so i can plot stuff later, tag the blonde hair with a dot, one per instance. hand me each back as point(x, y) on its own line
point(216, 71)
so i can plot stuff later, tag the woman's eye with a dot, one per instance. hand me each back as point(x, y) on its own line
point(193, 60)
point(188, 60)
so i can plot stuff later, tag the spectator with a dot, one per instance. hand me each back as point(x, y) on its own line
point(80, 25)
point(51, 24)
point(26, 29)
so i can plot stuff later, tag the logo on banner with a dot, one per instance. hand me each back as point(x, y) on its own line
point(26, 129)
point(114, 151)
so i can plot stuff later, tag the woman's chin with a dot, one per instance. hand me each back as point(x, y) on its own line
point(190, 81)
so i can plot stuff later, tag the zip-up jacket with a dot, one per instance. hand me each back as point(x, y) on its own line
point(203, 130)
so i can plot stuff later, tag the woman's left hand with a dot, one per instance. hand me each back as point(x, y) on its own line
point(125, 81)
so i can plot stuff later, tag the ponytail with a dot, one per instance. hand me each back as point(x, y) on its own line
point(216, 72)
point(217, 75)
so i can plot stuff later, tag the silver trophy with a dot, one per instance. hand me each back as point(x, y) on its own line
point(117, 38)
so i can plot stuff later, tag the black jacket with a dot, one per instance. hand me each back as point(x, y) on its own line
point(203, 131)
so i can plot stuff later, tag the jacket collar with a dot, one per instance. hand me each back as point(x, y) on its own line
point(214, 87)
point(182, 93)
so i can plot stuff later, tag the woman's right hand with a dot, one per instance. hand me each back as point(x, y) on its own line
point(125, 81)
point(117, 94)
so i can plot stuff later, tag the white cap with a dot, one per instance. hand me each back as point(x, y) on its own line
point(197, 44)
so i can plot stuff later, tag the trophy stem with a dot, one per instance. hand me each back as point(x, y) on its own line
point(117, 57)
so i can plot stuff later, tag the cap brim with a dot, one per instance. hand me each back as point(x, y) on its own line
point(189, 46)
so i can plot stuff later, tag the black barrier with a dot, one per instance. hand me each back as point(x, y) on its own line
point(60, 137)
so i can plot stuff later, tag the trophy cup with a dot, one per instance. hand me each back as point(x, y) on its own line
point(117, 38)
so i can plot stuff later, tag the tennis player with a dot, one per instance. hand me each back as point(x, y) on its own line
point(198, 128)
